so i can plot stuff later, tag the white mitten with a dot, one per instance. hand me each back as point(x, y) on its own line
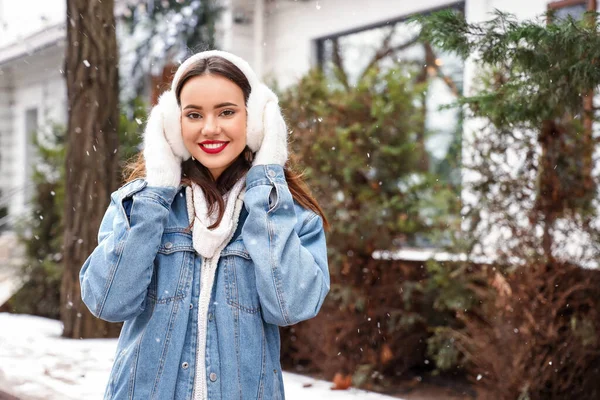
point(273, 149)
point(164, 150)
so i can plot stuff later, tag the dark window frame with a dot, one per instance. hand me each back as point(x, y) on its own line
point(555, 5)
point(591, 5)
point(319, 42)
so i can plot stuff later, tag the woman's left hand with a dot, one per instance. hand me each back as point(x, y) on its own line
point(273, 149)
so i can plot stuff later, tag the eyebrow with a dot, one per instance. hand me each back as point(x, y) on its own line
point(220, 105)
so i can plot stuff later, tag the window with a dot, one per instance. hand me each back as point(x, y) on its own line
point(31, 125)
point(389, 44)
point(572, 8)
point(31, 130)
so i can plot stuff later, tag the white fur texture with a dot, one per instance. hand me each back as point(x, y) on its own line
point(255, 128)
point(163, 167)
point(172, 124)
point(237, 61)
point(274, 148)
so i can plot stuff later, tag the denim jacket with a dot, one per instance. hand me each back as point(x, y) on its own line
point(145, 272)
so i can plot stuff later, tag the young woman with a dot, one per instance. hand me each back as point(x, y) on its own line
point(217, 246)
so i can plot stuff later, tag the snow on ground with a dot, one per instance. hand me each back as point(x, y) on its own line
point(36, 363)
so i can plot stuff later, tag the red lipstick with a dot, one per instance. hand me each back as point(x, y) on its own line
point(213, 146)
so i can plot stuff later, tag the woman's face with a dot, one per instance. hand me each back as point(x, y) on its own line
point(213, 121)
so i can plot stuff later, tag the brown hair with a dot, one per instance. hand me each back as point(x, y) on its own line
point(193, 171)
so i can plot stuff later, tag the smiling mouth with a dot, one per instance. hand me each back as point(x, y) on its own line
point(213, 148)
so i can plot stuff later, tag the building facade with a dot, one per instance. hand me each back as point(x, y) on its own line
point(32, 97)
point(281, 39)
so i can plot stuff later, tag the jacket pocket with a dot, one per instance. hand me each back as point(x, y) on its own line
point(240, 280)
point(173, 265)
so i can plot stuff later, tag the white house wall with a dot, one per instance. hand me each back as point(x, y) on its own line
point(37, 84)
point(6, 131)
point(20, 18)
point(242, 41)
point(238, 37)
point(292, 27)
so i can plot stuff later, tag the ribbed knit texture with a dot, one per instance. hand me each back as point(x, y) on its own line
point(209, 245)
point(207, 241)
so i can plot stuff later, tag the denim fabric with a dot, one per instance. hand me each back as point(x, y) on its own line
point(145, 272)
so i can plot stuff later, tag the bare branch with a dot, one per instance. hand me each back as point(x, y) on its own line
point(339, 63)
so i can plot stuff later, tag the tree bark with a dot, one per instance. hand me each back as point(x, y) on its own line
point(91, 70)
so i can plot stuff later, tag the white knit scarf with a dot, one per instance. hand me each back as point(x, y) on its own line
point(208, 241)
point(209, 244)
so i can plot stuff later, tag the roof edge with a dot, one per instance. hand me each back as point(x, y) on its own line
point(39, 40)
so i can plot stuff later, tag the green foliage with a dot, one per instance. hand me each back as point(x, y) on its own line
point(42, 231)
point(532, 90)
point(452, 288)
point(360, 147)
point(452, 285)
point(530, 160)
point(131, 129)
point(359, 152)
point(441, 346)
point(549, 67)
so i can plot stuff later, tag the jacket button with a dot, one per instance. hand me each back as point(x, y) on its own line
point(211, 316)
point(213, 377)
point(191, 306)
point(272, 173)
point(185, 365)
point(168, 245)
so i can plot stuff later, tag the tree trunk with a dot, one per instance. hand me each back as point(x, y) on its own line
point(91, 69)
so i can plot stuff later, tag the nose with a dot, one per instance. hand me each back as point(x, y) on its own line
point(210, 127)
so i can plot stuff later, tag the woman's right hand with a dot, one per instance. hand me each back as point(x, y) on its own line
point(164, 150)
